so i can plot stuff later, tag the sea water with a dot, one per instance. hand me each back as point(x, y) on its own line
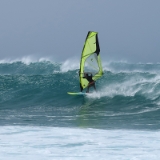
point(39, 120)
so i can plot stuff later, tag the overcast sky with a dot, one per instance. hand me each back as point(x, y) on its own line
point(128, 29)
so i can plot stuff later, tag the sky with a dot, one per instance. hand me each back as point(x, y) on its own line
point(128, 30)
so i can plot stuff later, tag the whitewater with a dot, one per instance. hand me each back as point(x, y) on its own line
point(39, 120)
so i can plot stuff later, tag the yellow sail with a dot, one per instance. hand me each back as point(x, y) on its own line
point(90, 59)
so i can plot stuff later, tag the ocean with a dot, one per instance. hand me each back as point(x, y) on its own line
point(40, 121)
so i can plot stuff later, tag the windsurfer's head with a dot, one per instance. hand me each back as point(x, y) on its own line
point(86, 74)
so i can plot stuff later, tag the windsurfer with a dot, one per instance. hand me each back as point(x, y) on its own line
point(91, 81)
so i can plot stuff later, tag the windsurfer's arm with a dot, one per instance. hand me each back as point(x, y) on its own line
point(88, 72)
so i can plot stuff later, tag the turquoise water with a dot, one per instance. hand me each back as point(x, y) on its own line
point(36, 94)
point(34, 101)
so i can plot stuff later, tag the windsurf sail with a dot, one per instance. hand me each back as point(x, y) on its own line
point(90, 59)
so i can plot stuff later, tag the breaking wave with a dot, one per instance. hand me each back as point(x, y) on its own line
point(38, 89)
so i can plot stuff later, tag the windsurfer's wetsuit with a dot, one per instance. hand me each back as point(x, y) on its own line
point(91, 82)
point(89, 78)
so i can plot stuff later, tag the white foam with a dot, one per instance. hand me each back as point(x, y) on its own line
point(26, 60)
point(130, 86)
point(70, 64)
point(21, 142)
point(126, 88)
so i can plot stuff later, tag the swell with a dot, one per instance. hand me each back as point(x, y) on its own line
point(42, 81)
point(36, 94)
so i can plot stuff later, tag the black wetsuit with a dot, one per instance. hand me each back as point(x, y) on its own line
point(89, 78)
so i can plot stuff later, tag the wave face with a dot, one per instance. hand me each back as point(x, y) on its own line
point(35, 93)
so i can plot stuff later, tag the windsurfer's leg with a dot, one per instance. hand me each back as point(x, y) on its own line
point(94, 86)
point(87, 91)
point(89, 85)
